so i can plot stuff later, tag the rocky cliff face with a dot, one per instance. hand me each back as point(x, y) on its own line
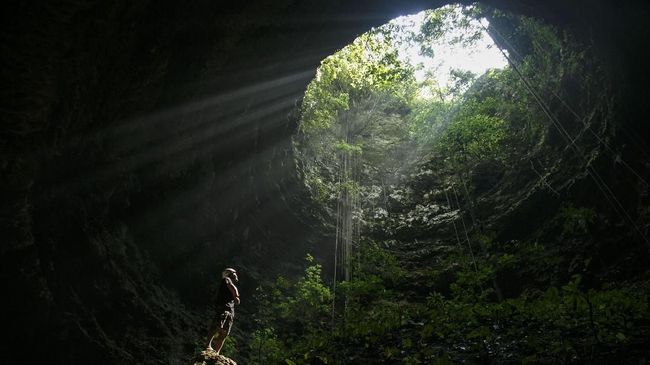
point(146, 144)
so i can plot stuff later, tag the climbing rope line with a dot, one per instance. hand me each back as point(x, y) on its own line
point(543, 179)
point(336, 249)
point(600, 183)
point(569, 108)
point(454, 223)
point(617, 202)
point(587, 127)
point(462, 220)
point(469, 200)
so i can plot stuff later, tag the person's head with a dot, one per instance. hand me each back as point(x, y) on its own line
point(230, 273)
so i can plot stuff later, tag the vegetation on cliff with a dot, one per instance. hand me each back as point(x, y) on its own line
point(453, 235)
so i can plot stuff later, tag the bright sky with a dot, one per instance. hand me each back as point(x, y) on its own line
point(478, 58)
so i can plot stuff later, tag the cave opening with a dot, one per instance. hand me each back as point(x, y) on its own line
point(443, 190)
point(395, 100)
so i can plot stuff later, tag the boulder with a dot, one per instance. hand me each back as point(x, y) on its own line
point(210, 357)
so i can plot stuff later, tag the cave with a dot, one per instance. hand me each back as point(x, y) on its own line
point(148, 145)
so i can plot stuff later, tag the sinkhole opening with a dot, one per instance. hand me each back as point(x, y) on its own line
point(449, 159)
point(415, 122)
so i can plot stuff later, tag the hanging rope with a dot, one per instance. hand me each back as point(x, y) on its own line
point(454, 223)
point(600, 183)
point(543, 179)
point(357, 222)
point(336, 249)
point(462, 220)
point(570, 109)
point(469, 200)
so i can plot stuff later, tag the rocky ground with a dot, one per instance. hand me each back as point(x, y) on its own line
point(208, 357)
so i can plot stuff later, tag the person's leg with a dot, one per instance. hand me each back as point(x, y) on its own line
point(210, 337)
point(209, 347)
point(224, 330)
point(215, 329)
point(218, 342)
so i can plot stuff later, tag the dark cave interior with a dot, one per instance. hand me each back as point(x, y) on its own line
point(147, 145)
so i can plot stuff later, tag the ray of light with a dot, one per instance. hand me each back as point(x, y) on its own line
point(221, 135)
point(223, 100)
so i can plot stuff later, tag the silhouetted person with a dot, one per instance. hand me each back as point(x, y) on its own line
point(227, 297)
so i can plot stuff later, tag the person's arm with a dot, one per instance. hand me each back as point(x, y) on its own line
point(233, 290)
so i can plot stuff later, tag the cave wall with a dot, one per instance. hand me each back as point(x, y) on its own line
point(146, 144)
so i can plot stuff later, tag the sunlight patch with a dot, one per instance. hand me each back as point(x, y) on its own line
point(452, 50)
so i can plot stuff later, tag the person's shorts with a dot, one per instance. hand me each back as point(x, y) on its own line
point(224, 322)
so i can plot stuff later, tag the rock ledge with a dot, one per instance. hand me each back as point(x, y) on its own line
point(207, 357)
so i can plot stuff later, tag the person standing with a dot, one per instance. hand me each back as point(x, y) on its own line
point(227, 297)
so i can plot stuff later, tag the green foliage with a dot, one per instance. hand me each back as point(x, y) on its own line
point(564, 323)
point(297, 325)
point(312, 297)
point(461, 81)
point(473, 136)
point(364, 102)
point(559, 323)
point(368, 66)
point(320, 191)
point(230, 346)
point(550, 326)
point(265, 347)
point(441, 21)
point(347, 147)
point(576, 220)
point(351, 116)
point(427, 118)
point(363, 110)
point(295, 319)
